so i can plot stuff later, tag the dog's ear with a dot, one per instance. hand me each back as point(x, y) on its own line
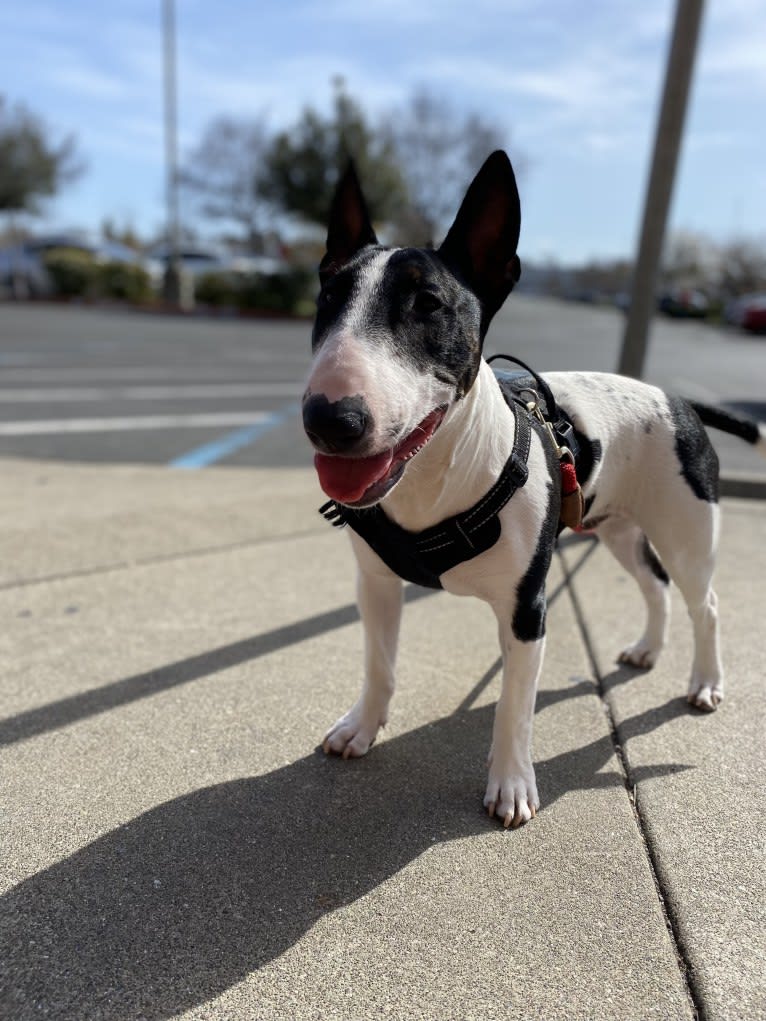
point(480, 247)
point(349, 227)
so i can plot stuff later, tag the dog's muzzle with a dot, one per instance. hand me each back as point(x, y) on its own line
point(360, 481)
point(336, 427)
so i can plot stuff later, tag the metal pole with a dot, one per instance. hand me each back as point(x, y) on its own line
point(667, 144)
point(172, 283)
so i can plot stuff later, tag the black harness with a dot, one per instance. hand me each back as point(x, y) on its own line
point(422, 557)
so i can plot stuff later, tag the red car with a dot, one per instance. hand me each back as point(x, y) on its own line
point(754, 314)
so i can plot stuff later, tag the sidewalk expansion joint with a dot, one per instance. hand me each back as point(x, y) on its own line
point(696, 1004)
point(157, 558)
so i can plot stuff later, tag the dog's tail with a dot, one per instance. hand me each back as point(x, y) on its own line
point(746, 429)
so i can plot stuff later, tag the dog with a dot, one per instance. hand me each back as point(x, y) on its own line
point(446, 480)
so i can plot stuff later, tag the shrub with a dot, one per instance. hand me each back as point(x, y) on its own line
point(277, 292)
point(289, 291)
point(217, 289)
point(124, 281)
point(76, 274)
point(73, 272)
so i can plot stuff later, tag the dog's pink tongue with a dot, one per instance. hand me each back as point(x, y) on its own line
point(348, 478)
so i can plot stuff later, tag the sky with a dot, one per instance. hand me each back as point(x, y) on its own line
point(572, 85)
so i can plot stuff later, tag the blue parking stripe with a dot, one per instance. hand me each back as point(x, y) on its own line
point(209, 453)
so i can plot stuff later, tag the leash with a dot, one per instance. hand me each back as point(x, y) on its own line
point(562, 435)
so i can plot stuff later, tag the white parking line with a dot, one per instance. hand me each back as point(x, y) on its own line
point(41, 427)
point(194, 391)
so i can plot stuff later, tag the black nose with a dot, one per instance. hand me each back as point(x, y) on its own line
point(338, 426)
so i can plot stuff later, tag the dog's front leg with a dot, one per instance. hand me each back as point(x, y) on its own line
point(380, 605)
point(511, 787)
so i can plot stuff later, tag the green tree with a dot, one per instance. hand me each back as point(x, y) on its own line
point(32, 167)
point(303, 163)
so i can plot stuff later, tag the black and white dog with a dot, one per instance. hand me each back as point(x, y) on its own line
point(448, 479)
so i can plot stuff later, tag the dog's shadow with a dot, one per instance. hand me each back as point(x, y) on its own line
point(182, 902)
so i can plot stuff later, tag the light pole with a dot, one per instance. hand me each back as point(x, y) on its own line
point(172, 283)
point(667, 143)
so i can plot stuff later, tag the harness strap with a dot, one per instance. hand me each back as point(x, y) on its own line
point(460, 528)
point(421, 557)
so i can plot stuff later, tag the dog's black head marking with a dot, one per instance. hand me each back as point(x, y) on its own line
point(480, 247)
point(435, 306)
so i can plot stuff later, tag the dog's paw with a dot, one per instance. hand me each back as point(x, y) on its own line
point(353, 734)
point(705, 695)
point(640, 654)
point(512, 797)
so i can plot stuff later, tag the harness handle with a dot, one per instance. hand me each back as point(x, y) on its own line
point(565, 439)
point(550, 401)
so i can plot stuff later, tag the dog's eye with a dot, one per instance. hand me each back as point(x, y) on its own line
point(426, 303)
point(334, 293)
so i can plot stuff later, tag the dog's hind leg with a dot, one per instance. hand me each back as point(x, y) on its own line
point(379, 596)
point(690, 560)
point(637, 556)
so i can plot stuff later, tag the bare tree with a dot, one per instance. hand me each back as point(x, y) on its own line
point(743, 268)
point(689, 259)
point(224, 175)
point(439, 149)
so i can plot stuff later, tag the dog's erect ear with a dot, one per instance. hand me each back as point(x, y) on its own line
point(349, 228)
point(480, 247)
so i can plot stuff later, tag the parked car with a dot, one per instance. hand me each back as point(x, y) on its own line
point(753, 317)
point(22, 273)
point(198, 260)
point(194, 259)
point(684, 303)
point(746, 304)
point(22, 267)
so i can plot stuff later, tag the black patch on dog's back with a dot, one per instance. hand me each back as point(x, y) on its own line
point(695, 453)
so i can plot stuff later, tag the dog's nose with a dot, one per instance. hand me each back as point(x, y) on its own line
point(335, 427)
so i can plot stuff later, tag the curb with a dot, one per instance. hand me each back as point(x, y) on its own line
point(743, 486)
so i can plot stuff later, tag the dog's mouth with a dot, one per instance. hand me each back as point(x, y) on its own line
point(363, 481)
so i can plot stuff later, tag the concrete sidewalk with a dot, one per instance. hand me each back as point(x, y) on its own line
point(172, 844)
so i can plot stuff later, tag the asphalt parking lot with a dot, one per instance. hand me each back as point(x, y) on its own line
point(106, 385)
